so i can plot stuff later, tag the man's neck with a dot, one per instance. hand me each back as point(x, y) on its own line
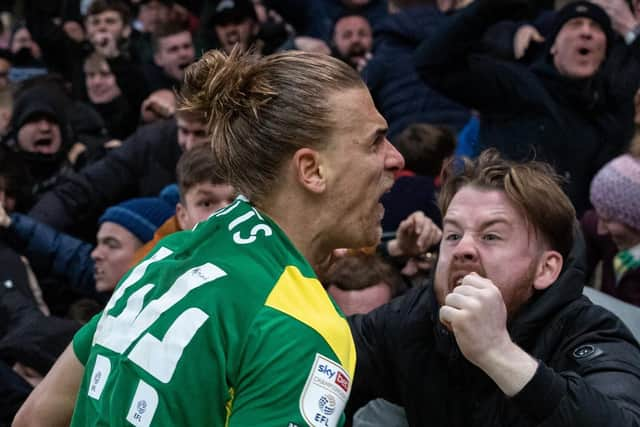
point(302, 222)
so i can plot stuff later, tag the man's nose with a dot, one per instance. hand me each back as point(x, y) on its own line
point(97, 254)
point(586, 29)
point(190, 141)
point(44, 124)
point(466, 249)
point(393, 160)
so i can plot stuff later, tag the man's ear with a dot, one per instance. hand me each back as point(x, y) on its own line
point(548, 270)
point(182, 216)
point(309, 170)
point(554, 49)
point(157, 59)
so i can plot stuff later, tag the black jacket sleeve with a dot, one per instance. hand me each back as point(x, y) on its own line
point(131, 81)
point(371, 358)
point(380, 371)
point(594, 379)
point(59, 52)
point(456, 63)
point(114, 178)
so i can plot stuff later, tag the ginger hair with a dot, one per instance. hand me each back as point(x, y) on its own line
point(533, 188)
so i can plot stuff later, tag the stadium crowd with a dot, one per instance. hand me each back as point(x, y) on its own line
point(511, 132)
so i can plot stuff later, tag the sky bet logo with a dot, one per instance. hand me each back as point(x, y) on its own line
point(324, 369)
point(342, 381)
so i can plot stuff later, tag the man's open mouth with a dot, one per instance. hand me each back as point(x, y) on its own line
point(42, 143)
point(583, 51)
point(456, 279)
point(357, 50)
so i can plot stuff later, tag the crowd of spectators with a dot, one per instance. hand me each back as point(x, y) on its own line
point(97, 163)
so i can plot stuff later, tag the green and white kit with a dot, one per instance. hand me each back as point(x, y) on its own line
point(225, 325)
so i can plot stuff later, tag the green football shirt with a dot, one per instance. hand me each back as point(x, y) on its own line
point(225, 325)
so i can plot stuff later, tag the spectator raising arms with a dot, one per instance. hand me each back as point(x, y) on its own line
point(573, 108)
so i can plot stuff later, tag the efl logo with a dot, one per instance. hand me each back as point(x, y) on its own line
point(342, 381)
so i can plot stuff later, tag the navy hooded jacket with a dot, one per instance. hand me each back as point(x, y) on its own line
point(397, 89)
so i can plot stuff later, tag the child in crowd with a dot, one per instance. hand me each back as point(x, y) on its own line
point(202, 192)
point(612, 230)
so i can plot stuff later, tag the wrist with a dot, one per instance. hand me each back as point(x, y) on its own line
point(510, 367)
point(393, 248)
point(495, 353)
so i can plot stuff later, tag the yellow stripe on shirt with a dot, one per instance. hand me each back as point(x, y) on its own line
point(306, 300)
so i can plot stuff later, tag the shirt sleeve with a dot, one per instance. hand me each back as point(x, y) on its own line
point(289, 376)
point(83, 338)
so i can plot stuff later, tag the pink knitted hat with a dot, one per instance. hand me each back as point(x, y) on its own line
point(615, 190)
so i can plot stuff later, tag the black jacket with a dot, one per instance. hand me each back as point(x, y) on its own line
point(121, 115)
point(157, 79)
point(397, 90)
point(142, 166)
point(39, 172)
point(589, 371)
point(60, 53)
point(576, 125)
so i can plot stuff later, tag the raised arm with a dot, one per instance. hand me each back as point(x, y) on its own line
point(454, 62)
point(379, 373)
point(593, 378)
point(50, 251)
point(118, 176)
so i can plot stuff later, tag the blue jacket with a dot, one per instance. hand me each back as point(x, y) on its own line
point(51, 252)
point(397, 89)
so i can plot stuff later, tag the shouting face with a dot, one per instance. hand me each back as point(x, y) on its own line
point(175, 53)
point(579, 48)
point(484, 233)
point(113, 254)
point(40, 134)
point(360, 168)
point(353, 38)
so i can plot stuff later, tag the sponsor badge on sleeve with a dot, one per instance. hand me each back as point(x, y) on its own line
point(325, 393)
